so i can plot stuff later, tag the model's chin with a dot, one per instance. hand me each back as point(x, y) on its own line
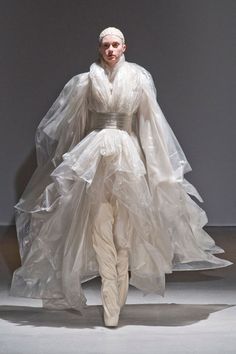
point(111, 60)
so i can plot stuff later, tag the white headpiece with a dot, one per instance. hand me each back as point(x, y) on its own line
point(112, 31)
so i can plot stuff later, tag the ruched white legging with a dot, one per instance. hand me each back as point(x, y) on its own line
point(110, 241)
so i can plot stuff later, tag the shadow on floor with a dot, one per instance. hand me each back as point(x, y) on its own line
point(131, 315)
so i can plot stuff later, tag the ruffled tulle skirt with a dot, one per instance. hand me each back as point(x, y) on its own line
point(163, 228)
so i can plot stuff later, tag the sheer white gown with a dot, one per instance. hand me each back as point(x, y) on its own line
point(140, 166)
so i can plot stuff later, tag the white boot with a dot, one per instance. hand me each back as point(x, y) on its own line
point(123, 275)
point(106, 254)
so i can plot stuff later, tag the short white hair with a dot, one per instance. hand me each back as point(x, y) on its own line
point(112, 31)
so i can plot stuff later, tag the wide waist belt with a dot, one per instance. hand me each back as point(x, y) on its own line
point(98, 121)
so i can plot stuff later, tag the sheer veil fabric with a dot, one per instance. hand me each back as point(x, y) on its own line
point(141, 172)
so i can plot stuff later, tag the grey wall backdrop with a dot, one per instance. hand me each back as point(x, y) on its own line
point(189, 46)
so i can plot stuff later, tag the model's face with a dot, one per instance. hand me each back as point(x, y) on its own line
point(111, 48)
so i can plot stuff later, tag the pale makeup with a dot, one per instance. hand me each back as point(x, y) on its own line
point(111, 48)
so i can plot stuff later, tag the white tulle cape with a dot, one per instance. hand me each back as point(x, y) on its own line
point(144, 171)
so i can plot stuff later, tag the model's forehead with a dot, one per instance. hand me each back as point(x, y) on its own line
point(111, 38)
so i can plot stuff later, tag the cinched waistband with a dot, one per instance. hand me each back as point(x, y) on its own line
point(111, 120)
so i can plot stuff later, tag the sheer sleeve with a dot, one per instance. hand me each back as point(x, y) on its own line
point(64, 124)
point(164, 156)
point(59, 131)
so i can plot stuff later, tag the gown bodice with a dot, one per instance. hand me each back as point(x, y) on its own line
point(114, 90)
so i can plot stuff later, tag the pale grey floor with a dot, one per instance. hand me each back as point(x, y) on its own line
point(197, 314)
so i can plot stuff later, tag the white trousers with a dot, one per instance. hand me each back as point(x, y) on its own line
point(110, 241)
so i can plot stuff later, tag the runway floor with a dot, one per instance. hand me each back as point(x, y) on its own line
point(197, 314)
